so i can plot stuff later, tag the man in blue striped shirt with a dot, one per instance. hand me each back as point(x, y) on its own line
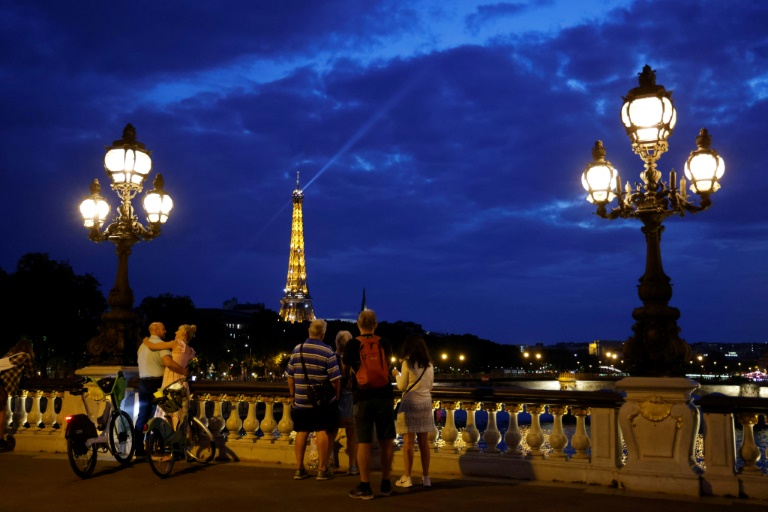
point(319, 363)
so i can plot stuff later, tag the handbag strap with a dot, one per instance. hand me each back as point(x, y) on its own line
point(417, 380)
point(301, 355)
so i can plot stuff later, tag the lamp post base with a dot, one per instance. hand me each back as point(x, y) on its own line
point(659, 423)
point(117, 340)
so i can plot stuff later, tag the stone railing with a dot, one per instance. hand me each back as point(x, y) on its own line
point(602, 442)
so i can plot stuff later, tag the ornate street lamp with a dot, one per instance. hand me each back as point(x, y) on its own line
point(655, 349)
point(128, 164)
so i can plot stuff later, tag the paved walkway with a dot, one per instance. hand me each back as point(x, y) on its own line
point(37, 481)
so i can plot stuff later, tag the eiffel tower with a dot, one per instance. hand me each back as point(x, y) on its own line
point(296, 305)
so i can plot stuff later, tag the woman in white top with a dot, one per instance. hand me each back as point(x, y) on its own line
point(415, 418)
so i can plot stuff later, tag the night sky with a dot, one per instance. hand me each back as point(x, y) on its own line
point(440, 144)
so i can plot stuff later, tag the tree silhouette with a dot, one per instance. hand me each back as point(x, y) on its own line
point(58, 310)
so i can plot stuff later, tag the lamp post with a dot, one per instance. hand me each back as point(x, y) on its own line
point(655, 348)
point(128, 164)
point(658, 420)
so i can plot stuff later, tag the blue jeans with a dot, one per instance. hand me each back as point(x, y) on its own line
point(147, 388)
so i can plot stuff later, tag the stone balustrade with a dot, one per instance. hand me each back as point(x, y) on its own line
point(252, 422)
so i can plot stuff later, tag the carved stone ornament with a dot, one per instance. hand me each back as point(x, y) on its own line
point(655, 409)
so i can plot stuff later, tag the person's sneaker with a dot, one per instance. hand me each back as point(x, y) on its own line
point(405, 481)
point(386, 487)
point(300, 474)
point(353, 471)
point(363, 492)
point(426, 482)
point(4, 446)
point(326, 474)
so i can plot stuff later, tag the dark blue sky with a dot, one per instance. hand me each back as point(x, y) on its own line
point(443, 143)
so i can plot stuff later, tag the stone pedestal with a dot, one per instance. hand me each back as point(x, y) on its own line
point(659, 424)
point(97, 372)
point(720, 456)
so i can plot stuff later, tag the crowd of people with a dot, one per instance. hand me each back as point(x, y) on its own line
point(360, 399)
point(350, 387)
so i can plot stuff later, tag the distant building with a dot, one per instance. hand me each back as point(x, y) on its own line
point(606, 348)
point(296, 304)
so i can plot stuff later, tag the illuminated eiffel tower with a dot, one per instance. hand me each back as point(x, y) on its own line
point(296, 305)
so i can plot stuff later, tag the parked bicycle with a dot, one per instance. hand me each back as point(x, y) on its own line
point(117, 434)
point(188, 440)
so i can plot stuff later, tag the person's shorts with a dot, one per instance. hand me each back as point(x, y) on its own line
point(378, 412)
point(313, 419)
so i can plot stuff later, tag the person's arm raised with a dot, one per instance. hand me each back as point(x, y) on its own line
point(163, 345)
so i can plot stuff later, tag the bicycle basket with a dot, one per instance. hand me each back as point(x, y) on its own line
point(169, 403)
point(171, 398)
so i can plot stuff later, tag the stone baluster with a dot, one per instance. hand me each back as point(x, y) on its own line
point(749, 451)
point(8, 412)
point(216, 423)
point(432, 434)
point(35, 416)
point(234, 423)
point(285, 426)
point(470, 435)
point(201, 401)
point(49, 416)
point(450, 433)
point(535, 438)
point(20, 414)
point(580, 440)
point(251, 423)
point(268, 424)
point(557, 440)
point(491, 436)
point(58, 405)
point(512, 437)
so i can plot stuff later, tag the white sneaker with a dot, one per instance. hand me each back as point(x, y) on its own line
point(426, 482)
point(405, 481)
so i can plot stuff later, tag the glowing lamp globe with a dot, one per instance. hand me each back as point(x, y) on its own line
point(127, 161)
point(599, 177)
point(94, 208)
point(648, 114)
point(157, 202)
point(704, 167)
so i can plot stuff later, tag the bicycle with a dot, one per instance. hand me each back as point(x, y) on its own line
point(117, 433)
point(190, 440)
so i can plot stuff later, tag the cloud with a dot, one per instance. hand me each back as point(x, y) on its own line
point(441, 146)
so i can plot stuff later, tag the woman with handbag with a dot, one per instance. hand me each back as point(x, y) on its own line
point(414, 415)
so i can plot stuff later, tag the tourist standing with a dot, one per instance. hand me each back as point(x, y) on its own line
point(415, 419)
point(312, 362)
point(346, 404)
point(152, 364)
point(368, 356)
point(181, 353)
point(16, 363)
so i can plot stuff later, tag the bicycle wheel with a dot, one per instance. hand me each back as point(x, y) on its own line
point(82, 458)
point(159, 454)
point(200, 445)
point(121, 437)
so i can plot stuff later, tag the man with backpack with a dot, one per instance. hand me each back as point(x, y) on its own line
point(368, 356)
